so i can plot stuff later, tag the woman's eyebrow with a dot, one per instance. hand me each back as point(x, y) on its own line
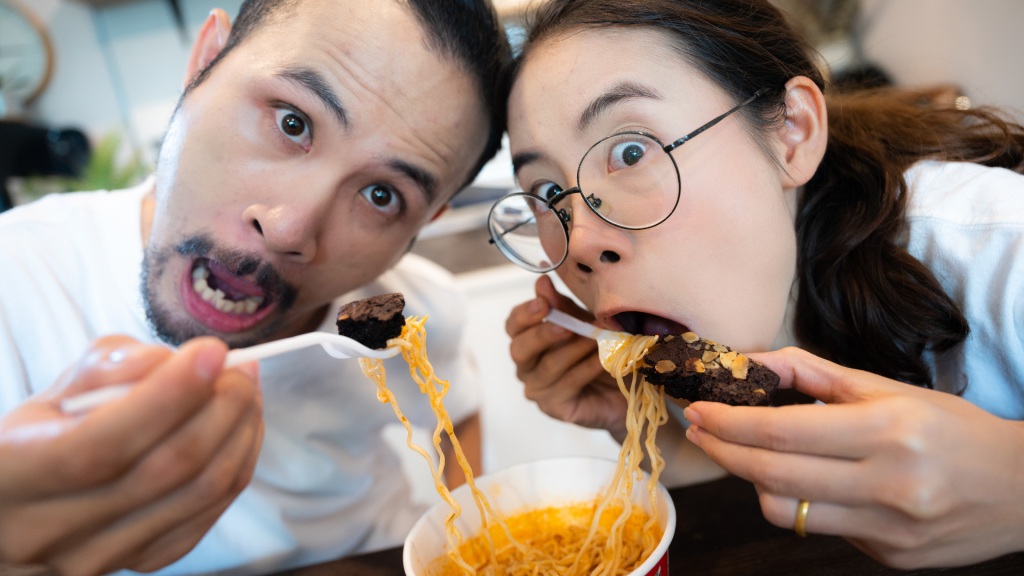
point(618, 93)
point(523, 158)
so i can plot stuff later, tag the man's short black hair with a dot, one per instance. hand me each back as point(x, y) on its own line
point(468, 32)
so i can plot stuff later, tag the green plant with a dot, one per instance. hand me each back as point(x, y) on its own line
point(103, 172)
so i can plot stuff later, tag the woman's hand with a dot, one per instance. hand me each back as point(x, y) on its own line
point(561, 370)
point(911, 476)
point(135, 483)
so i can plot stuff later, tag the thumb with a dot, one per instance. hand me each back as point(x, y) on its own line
point(546, 289)
point(821, 379)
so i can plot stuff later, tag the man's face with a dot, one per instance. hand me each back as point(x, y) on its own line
point(302, 168)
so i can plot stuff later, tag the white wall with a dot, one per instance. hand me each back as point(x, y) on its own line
point(973, 43)
point(119, 67)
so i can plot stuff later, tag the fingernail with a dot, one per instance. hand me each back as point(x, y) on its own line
point(209, 363)
point(692, 415)
point(537, 305)
point(691, 435)
point(250, 369)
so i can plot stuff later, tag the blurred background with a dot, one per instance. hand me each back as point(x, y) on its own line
point(88, 88)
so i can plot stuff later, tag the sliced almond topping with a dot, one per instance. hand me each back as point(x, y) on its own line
point(664, 366)
point(708, 356)
point(760, 391)
point(727, 358)
point(722, 349)
point(345, 317)
point(669, 338)
point(689, 337)
point(739, 367)
point(711, 365)
point(694, 365)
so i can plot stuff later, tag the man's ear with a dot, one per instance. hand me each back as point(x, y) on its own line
point(440, 211)
point(209, 42)
point(805, 133)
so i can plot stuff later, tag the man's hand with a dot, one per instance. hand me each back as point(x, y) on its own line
point(135, 483)
point(561, 370)
point(911, 476)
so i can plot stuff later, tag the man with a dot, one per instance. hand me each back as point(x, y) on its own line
point(313, 140)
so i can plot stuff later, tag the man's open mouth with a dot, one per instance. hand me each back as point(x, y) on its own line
point(221, 300)
point(648, 324)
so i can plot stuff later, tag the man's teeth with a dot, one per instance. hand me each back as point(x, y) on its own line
point(217, 297)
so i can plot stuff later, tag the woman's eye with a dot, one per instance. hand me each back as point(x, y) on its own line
point(626, 154)
point(547, 190)
point(383, 198)
point(294, 127)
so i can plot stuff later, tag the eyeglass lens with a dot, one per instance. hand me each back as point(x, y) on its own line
point(629, 180)
point(528, 232)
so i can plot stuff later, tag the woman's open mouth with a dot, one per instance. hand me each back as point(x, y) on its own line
point(222, 300)
point(647, 324)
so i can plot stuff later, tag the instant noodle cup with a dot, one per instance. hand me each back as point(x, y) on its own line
point(536, 485)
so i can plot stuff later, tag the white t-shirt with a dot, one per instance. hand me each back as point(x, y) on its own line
point(965, 222)
point(326, 484)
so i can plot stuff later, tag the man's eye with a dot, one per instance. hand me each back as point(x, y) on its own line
point(294, 127)
point(383, 198)
point(626, 154)
point(547, 190)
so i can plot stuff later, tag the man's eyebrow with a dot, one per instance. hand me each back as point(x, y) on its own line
point(315, 83)
point(426, 181)
point(619, 92)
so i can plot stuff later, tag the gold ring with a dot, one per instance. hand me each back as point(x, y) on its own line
point(800, 526)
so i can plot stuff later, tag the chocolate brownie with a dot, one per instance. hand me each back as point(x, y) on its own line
point(693, 369)
point(373, 321)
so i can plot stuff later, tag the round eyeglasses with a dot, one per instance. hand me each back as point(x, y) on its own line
point(630, 180)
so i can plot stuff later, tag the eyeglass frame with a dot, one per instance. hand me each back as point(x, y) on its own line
point(563, 216)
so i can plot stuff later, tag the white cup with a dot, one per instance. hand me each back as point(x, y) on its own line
point(541, 484)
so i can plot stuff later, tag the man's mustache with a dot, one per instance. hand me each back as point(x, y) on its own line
point(239, 263)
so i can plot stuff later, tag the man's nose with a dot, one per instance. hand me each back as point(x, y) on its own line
point(593, 243)
point(290, 230)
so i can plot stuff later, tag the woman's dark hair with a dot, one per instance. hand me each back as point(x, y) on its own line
point(864, 301)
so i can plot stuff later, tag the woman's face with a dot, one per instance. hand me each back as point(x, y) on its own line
point(723, 263)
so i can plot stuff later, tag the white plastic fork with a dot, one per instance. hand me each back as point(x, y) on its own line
point(608, 341)
point(335, 345)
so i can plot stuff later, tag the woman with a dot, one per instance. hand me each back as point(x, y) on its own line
point(735, 200)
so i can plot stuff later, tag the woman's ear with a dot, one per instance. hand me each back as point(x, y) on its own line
point(805, 133)
point(209, 42)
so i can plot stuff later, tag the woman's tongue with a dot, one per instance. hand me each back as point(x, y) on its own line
point(233, 287)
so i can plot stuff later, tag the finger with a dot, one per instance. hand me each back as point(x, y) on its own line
point(525, 316)
point(113, 546)
point(169, 466)
point(837, 430)
point(113, 359)
point(529, 345)
point(821, 379)
point(176, 543)
point(557, 397)
point(794, 475)
point(545, 289)
point(872, 524)
point(554, 363)
point(120, 365)
point(114, 436)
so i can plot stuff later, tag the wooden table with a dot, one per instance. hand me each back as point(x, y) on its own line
point(719, 530)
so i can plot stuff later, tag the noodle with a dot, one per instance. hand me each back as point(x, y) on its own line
point(617, 539)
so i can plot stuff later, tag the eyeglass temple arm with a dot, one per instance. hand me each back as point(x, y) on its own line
point(696, 132)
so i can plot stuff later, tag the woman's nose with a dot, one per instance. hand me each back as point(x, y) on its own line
point(593, 243)
point(286, 229)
